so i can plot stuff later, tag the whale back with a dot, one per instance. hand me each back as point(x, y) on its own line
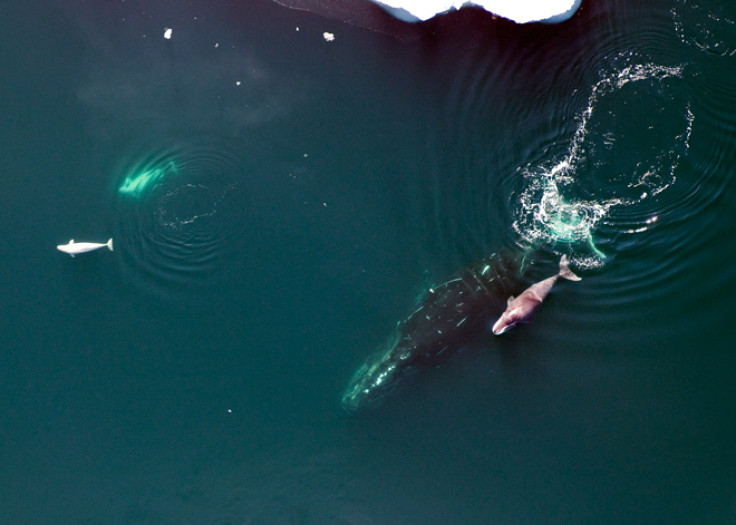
point(447, 317)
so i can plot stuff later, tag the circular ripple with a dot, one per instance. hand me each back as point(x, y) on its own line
point(178, 213)
point(620, 164)
point(708, 28)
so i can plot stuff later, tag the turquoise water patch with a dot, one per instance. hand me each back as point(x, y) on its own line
point(140, 179)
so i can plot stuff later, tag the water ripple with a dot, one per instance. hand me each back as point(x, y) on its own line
point(617, 174)
point(176, 218)
point(708, 28)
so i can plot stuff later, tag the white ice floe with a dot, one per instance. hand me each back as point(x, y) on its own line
point(329, 37)
point(167, 33)
point(520, 11)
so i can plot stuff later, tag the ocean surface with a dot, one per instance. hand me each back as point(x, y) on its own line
point(280, 199)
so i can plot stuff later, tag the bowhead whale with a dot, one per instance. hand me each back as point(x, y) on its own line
point(449, 316)
point(73, 248)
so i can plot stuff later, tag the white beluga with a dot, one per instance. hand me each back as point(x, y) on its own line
point(73, 248)
point(521, 308)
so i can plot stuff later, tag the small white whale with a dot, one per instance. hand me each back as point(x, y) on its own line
point(520, 309)
point(73, 248)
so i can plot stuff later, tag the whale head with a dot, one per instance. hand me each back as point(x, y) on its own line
point(375, 379)
point(509, 319)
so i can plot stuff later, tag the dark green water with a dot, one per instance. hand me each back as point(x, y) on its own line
point(308, 192)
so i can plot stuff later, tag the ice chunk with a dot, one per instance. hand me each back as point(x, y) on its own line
point(520, 11)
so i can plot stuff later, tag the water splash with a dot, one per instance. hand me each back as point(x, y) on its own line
point(709, 28)
point(613, 167)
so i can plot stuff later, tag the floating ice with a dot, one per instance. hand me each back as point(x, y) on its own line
point(520, 11)
point(167, 33)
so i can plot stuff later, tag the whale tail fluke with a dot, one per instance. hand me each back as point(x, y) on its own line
point(109, 245)
point(565, 271)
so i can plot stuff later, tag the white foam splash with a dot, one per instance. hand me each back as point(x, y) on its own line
point(547, 217)
point(552, 211)
point(709, 28)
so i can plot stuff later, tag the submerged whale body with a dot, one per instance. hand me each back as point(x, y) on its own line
point(449, 316)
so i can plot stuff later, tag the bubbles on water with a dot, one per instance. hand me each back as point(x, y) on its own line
point(631, 134)
point(622, 156)
point(709, 28)
point(548, 217)
point(182, 206)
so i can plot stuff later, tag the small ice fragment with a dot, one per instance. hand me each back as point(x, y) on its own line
point(329, 37)
point(217, 44)
point(167, 33)
point(237, 82)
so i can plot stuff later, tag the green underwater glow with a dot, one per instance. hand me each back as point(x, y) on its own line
point(573, 225)
point(570, 234)
point(566, 226)
point(135, 183)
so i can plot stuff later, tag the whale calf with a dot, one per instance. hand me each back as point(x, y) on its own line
point(521, 308)
point(73, 248)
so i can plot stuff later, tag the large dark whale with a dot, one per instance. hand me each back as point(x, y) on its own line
point(449, 316)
